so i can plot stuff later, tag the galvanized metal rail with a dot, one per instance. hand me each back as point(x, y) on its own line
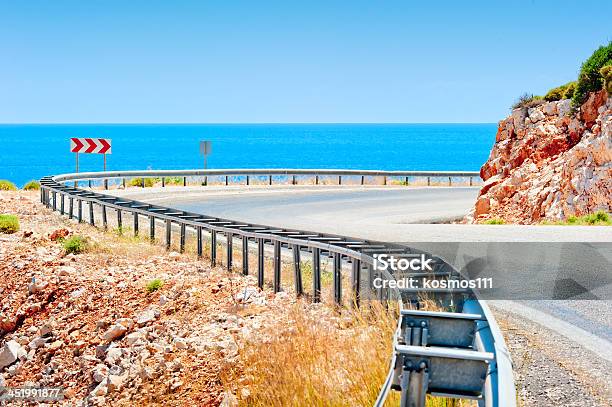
point(453, 354)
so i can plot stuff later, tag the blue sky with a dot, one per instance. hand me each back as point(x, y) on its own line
point(317, 61)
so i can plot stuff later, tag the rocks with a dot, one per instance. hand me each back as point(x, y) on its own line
point(551, 165)
point(147, 316)
point(116, 331)
point(37, 285)
point(100, 373)
point(113, 355)
point(10, 353)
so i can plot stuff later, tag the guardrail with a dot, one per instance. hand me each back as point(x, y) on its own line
point(459, 354)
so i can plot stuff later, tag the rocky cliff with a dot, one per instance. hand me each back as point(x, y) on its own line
point(549, 163)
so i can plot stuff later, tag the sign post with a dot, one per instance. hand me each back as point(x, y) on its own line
point(90, 146)
point(205, 150)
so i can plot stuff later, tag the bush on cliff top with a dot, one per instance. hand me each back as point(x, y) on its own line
point(590, 78)
point(6, 185)
point(606, 74)
point(75, 244)
point(527, 100)
point(9, 224)
point(32, 186)
point(561, 92)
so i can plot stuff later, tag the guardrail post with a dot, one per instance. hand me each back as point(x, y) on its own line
point(293, 180)
point(54, 201)
point(205, 180)
point(339, 179)
point(182, 240)
point(143, 182)
point(119, 222)
point(362, 180)
point(199, 237)
point(163, 181)
point(299, 289)
point(277, 266)
point(316, 180)
point(245, 255)
point(316, 275)
point(471, 181)
point(104, 220)
point(247, 180)
point(270, 183)
point(229, 238)
point(80, 210)
point(407, 181)
point(385, 180)
point(213, 248)
point(184, 181)
point(105, 183)
point(337, 279)
point(260, 262)
point(89, 183)
point(226, 180)
point(428, 181)
point(135, 215)
point(62, 199)
point(356, 281)
point(123, 182)
point(450, 181)
point(152, 228)
point(91, 214)
point(168, 234)
point(70, 208)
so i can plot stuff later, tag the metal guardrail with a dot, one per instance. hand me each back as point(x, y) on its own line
point(459, 354)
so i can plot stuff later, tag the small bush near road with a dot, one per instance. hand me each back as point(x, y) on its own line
point(154, 285)
point(32, 186)
point(9, 224)
point(75, 244)
point(527, 100)
point(599, 218)
point(606, 74)
point(569, 90)
point(494, 221)
point(6, 185)
point(137, 182)
point(590, 78)
point(173, 181)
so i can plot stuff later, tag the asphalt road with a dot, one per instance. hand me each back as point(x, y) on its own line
point(572, 267)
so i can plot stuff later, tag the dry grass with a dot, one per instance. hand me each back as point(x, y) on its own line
point(316, 358)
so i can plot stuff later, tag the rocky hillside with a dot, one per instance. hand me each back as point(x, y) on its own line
point(549, 163)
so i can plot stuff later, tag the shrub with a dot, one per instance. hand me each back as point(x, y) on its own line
point(173, 181)
point(590, 79)
point(9, 224)
point(137, 182)
point(561, 92)
point(569, 90)
point(6, 185)
point(154, 285)
point(606, 74)
point(495, 221)
point(527, 100)
point(32, 186)
point(75, 244)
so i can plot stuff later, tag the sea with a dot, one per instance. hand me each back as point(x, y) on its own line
point(30, 152)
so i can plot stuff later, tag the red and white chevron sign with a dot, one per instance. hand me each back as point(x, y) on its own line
point(90, 145)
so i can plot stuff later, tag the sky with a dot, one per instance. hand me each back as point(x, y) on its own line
point(287, 62)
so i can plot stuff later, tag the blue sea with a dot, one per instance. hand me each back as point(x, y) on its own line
point(32, 151)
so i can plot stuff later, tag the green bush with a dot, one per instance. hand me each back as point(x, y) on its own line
point(154, 285)
point(6, 185)
point(9, 224)
point(137, 182)
point(569, 90)
point(494, 221)
point(561, 92)
point(606, 74)
point(526, 101)
point(590, 79)
point(32, 186)
point(173, 181)
point(75, 244)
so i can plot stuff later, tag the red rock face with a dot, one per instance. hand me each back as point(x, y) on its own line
point(548, 164)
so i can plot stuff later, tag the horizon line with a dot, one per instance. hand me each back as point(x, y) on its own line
point(221, 123)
